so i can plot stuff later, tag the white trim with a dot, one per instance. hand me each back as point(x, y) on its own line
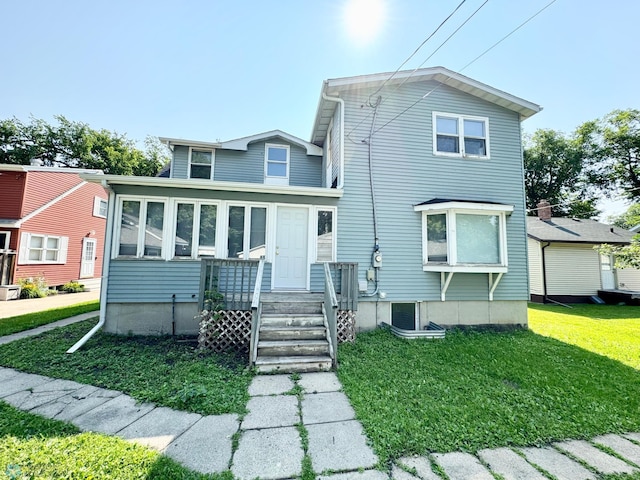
point(243, 142)
point(460, 135)
point(464, 207)
point(25, 247)
point(5, 247)
point(172, 142)
point(29, 168)
point(334, 230)
point(190, 163)
point(97, 202)
point(213, 185)
point(17, 223)
point(276, 179)
point(142, 223)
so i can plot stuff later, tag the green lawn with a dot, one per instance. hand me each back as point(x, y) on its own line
point(475, 390)
point(164, 370)
point(35, 447)
point(31, 320)
point(613, 331)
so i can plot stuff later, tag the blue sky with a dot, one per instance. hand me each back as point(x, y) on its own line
point(214, 70)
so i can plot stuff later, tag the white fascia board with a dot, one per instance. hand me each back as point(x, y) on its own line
point(471, 268)
point(172, 142)
point(444, 76)
point(5, 223)
point(197, 184)
point(29, 168)
point(489, 207)
point(243, 143)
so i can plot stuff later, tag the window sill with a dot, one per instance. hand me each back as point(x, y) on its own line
point(459, 155)
point(464, 268)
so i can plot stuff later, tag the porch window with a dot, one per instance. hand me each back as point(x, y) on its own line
point(200, 163)
point(195, 221)
point(464, 236)
point(247, 232)
point(134, 241)
point(460, 135)
point(46, 249)
point(276, 168)
point(325, 238)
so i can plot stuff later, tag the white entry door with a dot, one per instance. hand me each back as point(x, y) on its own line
point(88, 263)
point(607, 275)
point(291, 263)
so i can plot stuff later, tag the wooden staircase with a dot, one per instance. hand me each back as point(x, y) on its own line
point(293, 334)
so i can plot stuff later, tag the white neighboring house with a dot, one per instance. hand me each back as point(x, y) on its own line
point(564, 265)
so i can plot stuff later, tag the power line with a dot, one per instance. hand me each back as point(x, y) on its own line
point(416, 50)
point(467, 65)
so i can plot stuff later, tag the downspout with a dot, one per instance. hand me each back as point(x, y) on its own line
point(544, 274)
point(106, 262)
point(341, 154)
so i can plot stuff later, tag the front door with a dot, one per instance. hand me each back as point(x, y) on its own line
point(291, 263)
point(88, 263)
point(606, 270)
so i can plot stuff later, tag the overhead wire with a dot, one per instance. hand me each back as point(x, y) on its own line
point(467, 65)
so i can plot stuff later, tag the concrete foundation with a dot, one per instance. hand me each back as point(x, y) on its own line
point(151, 318)
point(448, 314)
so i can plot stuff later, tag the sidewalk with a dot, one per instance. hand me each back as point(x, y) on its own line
point(11, 308)
point(270, 445)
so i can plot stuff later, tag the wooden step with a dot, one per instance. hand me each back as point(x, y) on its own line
point(276, 332)
point(291, 320)
point(291, 364)
point(288, 348)
point(299, 307)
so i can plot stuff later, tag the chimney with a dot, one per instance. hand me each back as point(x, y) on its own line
point(544, 210)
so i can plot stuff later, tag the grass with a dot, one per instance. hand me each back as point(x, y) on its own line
point(613, 331)
point(35, 447)
point(31, 320)
point(162, 370)
point(478, 390)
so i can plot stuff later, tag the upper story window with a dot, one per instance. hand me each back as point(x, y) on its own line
point(276, 164)
point(35, 248)
point(460, 135)
point(200, 163)
point(141, 228)
point(4, 240)
point(99, 207)
point(464, 236)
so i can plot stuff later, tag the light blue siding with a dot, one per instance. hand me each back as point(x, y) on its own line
point(180, 167)
point(145, 281)
point(407, 173)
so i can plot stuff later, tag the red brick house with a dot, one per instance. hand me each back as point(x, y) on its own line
point(52, 225)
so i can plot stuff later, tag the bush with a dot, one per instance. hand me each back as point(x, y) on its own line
point(72, 287)
point(33, 287)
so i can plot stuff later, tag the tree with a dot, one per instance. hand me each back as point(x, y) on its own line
point(626, 256)
point(628, 219)
point(554, 171)
point(75, 144)
point(612, 147)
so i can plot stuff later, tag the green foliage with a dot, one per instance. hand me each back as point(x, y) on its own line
point(554, 171)
point(626, 256)
point(36, 447)
point(168, 371)
point(612, 148)
point(628, 219)
point(33, 287)
point(72, 287)
point(75, 144)
point(479, 390)
point(27, 321)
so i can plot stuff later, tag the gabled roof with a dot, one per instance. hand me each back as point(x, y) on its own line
point(333, 87)
point(570, 230)
point(243, 143)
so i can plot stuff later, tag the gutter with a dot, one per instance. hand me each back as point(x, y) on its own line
point(544, 274)
point(341, 102)
point(106, 262)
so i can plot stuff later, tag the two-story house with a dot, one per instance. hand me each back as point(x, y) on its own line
point(410, 188)
point(51, 225)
